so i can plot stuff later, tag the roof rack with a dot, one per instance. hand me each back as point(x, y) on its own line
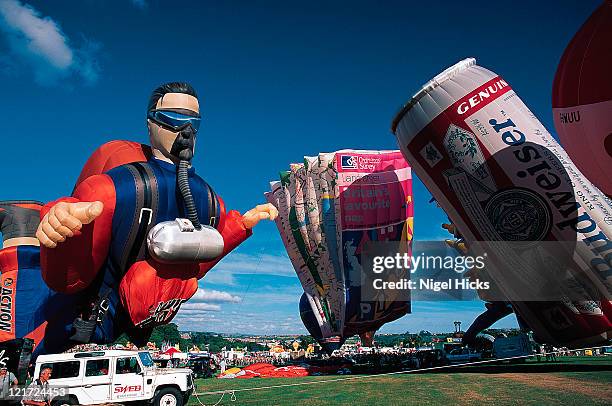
point(89, 354)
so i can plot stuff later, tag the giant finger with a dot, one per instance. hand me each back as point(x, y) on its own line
point(273, 212)
point(59, 227)
point(86, 212)
point(68, 220)
point(58, 207)
point(44, 240)
point(51, 233)
point(248, 214)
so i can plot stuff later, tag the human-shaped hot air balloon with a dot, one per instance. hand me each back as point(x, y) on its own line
point(128, 247)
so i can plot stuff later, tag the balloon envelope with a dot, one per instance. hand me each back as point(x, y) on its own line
point(511, 189)
point(582, 98)
point(330, 208)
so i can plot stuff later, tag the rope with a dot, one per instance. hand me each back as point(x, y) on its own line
point(232, 398)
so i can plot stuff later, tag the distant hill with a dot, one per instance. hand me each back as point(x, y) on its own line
point(169, 333)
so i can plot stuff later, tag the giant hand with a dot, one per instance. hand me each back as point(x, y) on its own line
point(64, 219)
point(260, 212)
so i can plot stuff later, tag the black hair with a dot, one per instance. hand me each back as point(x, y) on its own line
point(172, 87)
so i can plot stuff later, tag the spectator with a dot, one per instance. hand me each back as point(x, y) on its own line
point(39, 390)
point(550, 353)
point(7, 379)
point(553, 353)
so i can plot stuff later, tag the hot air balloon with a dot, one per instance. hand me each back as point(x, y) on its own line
point(330, 207)
point(508, 186)
point(582, 98)
point(44, 310)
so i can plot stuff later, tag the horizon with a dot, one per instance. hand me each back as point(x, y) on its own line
point(306, 334)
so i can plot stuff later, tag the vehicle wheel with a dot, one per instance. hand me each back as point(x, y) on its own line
point(168, 397)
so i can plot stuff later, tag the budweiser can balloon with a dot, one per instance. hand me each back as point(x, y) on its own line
point(515, 196)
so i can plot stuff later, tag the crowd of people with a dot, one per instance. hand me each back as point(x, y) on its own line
point(255, 359)
point(549, 353)
point(96, 347)
point(35, 394)
point(381, 362)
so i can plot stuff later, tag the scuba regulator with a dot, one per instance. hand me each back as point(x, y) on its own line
point(184, 239)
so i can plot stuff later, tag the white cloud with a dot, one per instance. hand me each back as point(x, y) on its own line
point(205, 301)
point(218, 277)
point(42, 35)
point(39, 42)
point(247, 323)
point(214, 296)
point(199, 307)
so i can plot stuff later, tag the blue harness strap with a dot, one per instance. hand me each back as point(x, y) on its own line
point(145, 213)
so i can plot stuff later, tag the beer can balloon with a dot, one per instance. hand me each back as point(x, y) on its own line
point(501, 177)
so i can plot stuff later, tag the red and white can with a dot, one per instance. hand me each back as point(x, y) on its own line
point(500, 176)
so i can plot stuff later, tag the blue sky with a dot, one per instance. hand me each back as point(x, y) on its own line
point(277, 81)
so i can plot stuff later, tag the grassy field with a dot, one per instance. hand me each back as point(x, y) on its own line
point(570, 381)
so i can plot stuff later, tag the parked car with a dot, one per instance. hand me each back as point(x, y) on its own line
point(512, 347)
point(202, 366)
point(461, 355)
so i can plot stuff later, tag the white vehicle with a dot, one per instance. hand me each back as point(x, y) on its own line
point(115, 376)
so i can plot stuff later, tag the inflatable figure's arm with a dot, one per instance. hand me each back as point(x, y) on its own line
point(234, 232)
point(235, 228)
point(71, 263)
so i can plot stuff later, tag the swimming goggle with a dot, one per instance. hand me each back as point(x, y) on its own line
point(175, 120)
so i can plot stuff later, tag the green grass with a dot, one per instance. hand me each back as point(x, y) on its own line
point(571, 381)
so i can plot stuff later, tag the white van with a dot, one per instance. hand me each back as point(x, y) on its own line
point(115, 377)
